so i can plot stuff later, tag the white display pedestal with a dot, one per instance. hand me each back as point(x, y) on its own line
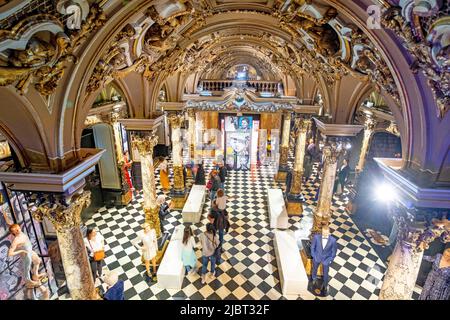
point(277, 209)
point(171, 271)
point(293, 277)
point(193, 208)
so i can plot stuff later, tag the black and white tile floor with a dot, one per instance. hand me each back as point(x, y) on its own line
point(249, 270)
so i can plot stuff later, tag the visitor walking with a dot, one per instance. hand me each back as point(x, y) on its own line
point(95, 245)
point(188, 251)
point(221, 223)
point(164, 174)
point(149, 248)
point(200, 175)
point(215, 184)
point(210, 244)
point(222, 174)
point(164, 210)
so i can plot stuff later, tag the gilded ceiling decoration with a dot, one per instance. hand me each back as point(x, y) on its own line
point(37, 42)
point(240, 99)
point(424, 28)
point(303, 37)
point(320, 45)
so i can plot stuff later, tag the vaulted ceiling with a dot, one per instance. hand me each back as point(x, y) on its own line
point(54, 64)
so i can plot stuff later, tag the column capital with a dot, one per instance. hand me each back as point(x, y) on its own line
point(175, 120)
point(287, 114)
point(63, 213)
point(190, 112)
point(369, 123)
point(417, 235)
point(331, 153)
point(145, 144)
point(393, 128)
point(303, 124)
point(115, 116)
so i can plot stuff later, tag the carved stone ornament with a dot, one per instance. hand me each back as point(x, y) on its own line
point(42, 60)
point(332, 153)
point(63, 215)
point(423, 28)
point(302, 125)
point(145, 144)
point(176, 120)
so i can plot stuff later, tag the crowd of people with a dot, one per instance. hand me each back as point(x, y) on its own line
point(211, 240)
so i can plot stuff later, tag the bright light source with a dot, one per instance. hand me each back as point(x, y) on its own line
point(385, 192)
point(348, 146)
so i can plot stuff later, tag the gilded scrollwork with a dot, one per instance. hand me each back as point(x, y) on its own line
point(145, 144)
point(64, 214)
point(423, 31)
point(43, 59)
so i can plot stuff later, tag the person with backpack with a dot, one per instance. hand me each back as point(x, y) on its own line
point(210, 245)
point(215, 185)
point(222, 174)
point(220, 224)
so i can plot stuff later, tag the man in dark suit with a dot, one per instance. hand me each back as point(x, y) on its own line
point(342, 177)
point(323, 251)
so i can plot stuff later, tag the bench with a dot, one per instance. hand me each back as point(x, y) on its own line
point(171, 271)
point(293, 277)
point(193, 208)
point(277, 209)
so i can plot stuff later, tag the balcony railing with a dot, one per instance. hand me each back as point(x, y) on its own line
point(260, 86)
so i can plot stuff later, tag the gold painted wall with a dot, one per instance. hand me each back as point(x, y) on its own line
point(270, 121)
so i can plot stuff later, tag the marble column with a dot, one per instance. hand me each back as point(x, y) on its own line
point(192, 133)
point(65, 215)
point(294, 195)
point(127, 194)
point(404, 264)
point(145, 147)
point(178, 193)
point(284, 148)
point(117, 137)
point(369, 125)
point(322, 212)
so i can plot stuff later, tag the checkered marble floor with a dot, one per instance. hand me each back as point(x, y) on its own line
point(249, 270)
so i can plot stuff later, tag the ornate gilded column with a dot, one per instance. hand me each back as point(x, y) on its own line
point(294, 195)
point(404, 264)
point(322, 213)
point(284, 148)
point(65, 215)
point(369, 125)
point(178, 193)
point(127, 194)
point(192, 133)
point(145, 147)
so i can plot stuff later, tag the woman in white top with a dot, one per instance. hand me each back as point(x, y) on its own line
point(188, 253)
point(149, 247)
point(221, 200)
point(94, 242)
